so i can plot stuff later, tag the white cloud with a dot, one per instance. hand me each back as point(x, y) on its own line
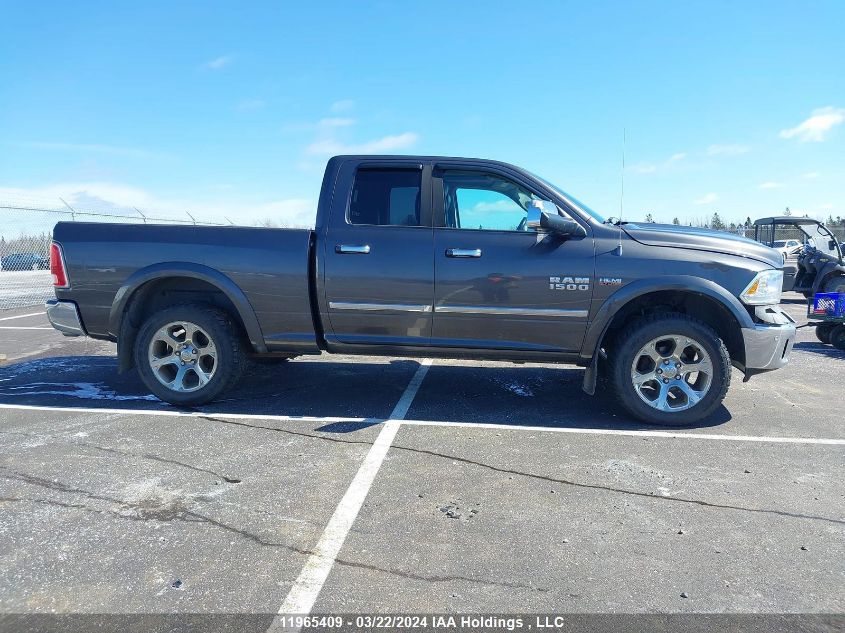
point(709, 198)
point(650, 168)
point(643, 168)
point(770, 184)
point(336, 122)
point(342, 106)
point(248, 105)
point(92, 148)
point(329, 147)
point(816, 128)
point(733, 149)
point(493, 207)
point(218, 63)
point(810, 175)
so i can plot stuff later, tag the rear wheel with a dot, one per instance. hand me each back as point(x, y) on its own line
point(189, 354)
point(670, 369)
point(823, 331)
point(837, 337)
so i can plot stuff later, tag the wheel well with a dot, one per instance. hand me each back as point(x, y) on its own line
point(161, 293)
point(698, 306)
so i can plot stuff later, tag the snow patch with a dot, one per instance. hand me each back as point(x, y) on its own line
point(83, 390)
point(518, 389)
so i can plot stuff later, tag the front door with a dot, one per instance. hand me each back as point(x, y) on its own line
point(498, 283)
point(379, 271)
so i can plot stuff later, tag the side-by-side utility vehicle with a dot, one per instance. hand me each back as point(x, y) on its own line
point(817, 265)
point(433, 257)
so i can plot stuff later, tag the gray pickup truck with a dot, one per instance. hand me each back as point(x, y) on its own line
point(433, 257)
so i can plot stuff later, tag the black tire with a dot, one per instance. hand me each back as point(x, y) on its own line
point(837, 337)
point(646, 329)
point(221, 331)
point(835, 284)
point(823, 331)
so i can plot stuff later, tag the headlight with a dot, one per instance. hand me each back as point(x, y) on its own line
point(764, 289)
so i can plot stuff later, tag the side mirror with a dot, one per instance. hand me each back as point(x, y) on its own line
point(543, 215)
point(561, 226)
point(535, 211)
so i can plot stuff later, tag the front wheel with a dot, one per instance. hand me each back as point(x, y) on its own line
point(189, 354)
point(670, 369)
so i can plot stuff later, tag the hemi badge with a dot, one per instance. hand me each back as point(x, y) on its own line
point(610, 281)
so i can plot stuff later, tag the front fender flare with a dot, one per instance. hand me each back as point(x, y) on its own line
point(191, 270)
point(600, 323)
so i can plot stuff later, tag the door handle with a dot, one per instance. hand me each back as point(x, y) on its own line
point(463, 252)
point(346, 249)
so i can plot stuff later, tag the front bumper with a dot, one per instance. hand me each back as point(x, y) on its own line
point(768, 345)
point(64, 316)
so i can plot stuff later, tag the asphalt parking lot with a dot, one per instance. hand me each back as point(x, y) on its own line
point(493, 488)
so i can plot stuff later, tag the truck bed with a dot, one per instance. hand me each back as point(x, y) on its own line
point(270, 267)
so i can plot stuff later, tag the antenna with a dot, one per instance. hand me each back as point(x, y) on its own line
point(622, 189)
point(618, 250)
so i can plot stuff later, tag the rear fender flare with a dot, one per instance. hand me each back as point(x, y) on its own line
point(166, 270)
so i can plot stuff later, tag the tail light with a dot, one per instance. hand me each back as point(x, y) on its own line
point(57, 267)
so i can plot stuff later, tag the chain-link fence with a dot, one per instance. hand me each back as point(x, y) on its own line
point(25, 235)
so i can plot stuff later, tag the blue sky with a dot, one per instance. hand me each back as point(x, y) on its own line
point(233, 108)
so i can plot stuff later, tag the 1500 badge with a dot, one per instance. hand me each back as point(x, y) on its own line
point(569, 283)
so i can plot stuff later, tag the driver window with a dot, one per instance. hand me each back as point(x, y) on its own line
point(477, 200)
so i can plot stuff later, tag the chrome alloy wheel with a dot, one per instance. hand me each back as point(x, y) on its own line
point(182, 356)
point(672, 373)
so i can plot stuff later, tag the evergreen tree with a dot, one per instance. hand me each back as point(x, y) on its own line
point(716, 222)
point(649, 219)
point(676, 221)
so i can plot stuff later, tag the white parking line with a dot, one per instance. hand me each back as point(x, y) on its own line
point(23, 316)
point(21, 327)
point(300, 600)
point(668, 434)
point(469, 425)
point(183, 414)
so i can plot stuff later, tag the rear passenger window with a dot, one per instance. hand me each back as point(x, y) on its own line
point(387, 197)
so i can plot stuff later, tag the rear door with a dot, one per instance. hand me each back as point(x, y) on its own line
point(379, 270)
point(499, 284)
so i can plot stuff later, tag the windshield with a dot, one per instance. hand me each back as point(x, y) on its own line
point(820, 238)
point(779, 244)
point(571, 199)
